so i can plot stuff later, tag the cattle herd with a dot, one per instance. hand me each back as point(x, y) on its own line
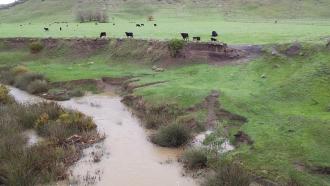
point(185, 36)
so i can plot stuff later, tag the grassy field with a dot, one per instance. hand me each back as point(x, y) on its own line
point(237, 22)
point(294, 96)
point(229, 32)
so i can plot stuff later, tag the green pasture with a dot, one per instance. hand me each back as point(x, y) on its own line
point(229, 32)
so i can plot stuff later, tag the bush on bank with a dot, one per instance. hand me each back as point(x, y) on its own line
point(48, 160)
point(173, 135)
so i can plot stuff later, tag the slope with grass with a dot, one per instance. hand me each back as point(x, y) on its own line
point(285, 99)
point(240, 22)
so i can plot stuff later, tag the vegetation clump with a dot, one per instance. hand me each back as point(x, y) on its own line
point(195, 158)
point(45, 161)
point(229, 173)
point(4, 95)
point(173, 135)
point(175, 46)
point(36, 47)
point(37, 86)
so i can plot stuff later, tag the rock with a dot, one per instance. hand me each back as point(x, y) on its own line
point(159, 70)
point(275, 52)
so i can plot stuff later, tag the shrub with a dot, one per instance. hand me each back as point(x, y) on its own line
point(171, 136)
point(4, 95)
point(19, 70)
point(7, 77)
point(228, 174)
point(195, 158)
point(42, 120)
point(175, 45)
point(77, 120)
point(36, 47)
point(22, 81)
point(77, 92)
point(37, 86)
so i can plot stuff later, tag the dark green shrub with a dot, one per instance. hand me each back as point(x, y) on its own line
point(154, 121)
point(37, 86)
point(171, 136)
point(77, 92)
point(22, 81)
point(36, 47)
point(7, 77)
point(175, 45)
point(195, 158)
point(229, 174)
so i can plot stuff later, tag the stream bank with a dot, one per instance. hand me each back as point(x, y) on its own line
point(125, 157)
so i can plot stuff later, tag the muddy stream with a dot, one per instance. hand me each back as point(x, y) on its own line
point(125, 157)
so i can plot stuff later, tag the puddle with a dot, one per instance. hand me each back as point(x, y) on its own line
point(222, 145)
point(32, 137)
point(125, 157)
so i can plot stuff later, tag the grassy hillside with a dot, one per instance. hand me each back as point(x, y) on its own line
point(237, 21)
point(285, 99)
point(64, 10)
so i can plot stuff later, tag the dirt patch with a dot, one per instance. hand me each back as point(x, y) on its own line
point(293, 49)
point(241, 137)
point(323, 170)
point(142, 51)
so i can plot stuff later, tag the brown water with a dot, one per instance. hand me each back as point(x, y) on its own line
point(126, 156)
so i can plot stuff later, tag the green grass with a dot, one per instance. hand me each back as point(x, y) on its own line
point(295, 95)
point(251, 22)
point(229, 32)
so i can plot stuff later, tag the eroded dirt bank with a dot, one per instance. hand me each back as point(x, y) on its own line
point(125, 157)
point(140, 50)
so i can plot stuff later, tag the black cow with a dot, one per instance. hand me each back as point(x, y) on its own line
point(196, 38)
point(155, 25)
point(60, 28)
point(46, 29)
point(142, 24)
point(214, 34)
point(185, 36)
point(129, 34)
point(103, 34)
point(138, 25)
point(113, 24)
point(213, 39)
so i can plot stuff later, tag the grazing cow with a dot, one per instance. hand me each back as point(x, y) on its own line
point(46, 29)
point(129, 34)
point(142, 24)
point(275, 21)
point(20, 25)
point(103, 34)
point(213, 39)
point(113, 24)
point(138, 25)
point(155, 25)
point(196, 38)
point(214, 34)
point(60, 28)
point(185, 36)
